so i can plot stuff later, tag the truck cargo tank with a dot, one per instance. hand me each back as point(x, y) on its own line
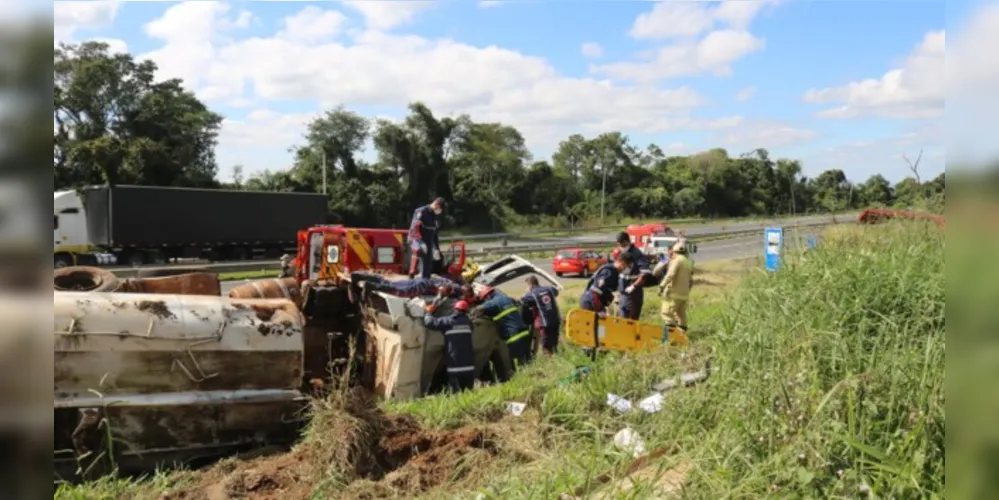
point(173, 376)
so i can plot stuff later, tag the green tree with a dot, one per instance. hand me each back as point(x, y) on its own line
point(116, 124)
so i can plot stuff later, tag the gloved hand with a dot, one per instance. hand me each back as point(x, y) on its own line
point(430, 308)
point(437, 254)
point(630, 289)
point(423, 247)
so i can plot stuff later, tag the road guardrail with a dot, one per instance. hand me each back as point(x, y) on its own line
point(263, 265)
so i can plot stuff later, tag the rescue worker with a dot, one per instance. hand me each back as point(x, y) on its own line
point(418, 287)
point(599, 292)
point(502, 309)
point(423, 240)
point(287, 269)
point(542, 306)
point(631, 295)
point(675, 287)
point(459, 355)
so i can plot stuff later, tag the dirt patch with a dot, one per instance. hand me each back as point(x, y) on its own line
point(354, 450)
point(156, 307)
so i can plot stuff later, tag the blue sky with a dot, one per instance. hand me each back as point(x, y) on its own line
point(523, 63)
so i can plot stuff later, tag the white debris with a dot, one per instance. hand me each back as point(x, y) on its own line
point(618, 403)
point(653, 403)
point(630, 441)
point(515, 409)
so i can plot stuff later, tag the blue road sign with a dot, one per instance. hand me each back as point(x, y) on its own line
point(773, 246)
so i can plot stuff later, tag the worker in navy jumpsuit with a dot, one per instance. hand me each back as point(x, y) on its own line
point(506, 314)
point(418, 287)
point(631, 294)
point(459, 355)
point(599, 291)
point(423, 240)
point(540, 301)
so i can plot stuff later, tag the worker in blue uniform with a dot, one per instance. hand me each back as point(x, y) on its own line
point(423, 240)
point(542, 306)
point(502, 309)
point(599, 292)
point(631, 294)
point(459, 355)
point(419, 287)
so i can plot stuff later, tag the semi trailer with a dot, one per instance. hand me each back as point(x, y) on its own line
point(136, 225)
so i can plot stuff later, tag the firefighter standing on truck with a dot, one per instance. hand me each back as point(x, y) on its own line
point(631, 295)
point(540, 301)
point(458, 351)
point(423, 239)
point(506, 314)
point(599, 292)
point(675, 287)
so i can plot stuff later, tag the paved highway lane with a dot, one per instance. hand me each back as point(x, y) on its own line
point(709, 251)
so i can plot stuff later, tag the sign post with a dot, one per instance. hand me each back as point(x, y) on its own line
point(773, 245)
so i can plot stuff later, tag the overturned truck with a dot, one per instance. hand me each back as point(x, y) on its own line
point(173, 376)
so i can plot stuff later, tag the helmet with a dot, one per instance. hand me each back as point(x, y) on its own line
point(461, 305)
point(486, 290)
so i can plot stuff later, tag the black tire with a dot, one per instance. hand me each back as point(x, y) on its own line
point(162, 273)
point(63, 260)
point(558, 274)
point(84, 279)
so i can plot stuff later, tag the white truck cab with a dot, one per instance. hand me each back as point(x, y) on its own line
point(71, 239)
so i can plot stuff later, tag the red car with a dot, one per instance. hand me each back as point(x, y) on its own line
point(576, 261)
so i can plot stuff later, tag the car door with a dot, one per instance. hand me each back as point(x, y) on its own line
point(510, 268)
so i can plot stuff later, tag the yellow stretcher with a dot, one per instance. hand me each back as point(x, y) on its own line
point(617, 333)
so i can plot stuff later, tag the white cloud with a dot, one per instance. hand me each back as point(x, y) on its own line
point(676, 146)
point(386, 15)
point(861, 159)
point(72, 16)
point(752, 134)
point(913, 90)
point(713, 54)
point(972, 79)
point(745, 94)
point(591, 50)
point(487, 4)
point(375, 68)
point(673, 19)
point(313, 24)
point(115, 46)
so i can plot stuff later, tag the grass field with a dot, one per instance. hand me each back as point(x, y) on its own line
point(827, 383)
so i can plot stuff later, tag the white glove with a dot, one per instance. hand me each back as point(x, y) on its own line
point(437, 254)
point(423, 247)
point(629, 290)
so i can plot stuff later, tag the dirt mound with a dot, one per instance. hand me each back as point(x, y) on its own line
point(352, 442)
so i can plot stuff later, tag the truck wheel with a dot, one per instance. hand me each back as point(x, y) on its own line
point(558, 274)
point(135, 259)
point(63, 260)
point(84, 279)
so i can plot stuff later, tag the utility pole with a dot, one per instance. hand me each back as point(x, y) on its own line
point(324, 172)
point(603, 192)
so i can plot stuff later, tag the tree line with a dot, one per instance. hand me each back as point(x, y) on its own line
point(117, 124)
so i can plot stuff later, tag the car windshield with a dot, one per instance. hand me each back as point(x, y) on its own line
point(566, 254)
point(663, 243)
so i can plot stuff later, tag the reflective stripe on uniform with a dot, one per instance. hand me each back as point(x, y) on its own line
point(461, 369)
point(458, 331)
point(518, 336)
point(505, 312)
point(596, 290)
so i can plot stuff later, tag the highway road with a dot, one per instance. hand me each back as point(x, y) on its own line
point(709, 251)
point(570, 240)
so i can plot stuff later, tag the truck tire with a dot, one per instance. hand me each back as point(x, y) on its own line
point(162, 273)
point(84, 279)
point(63, 260)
